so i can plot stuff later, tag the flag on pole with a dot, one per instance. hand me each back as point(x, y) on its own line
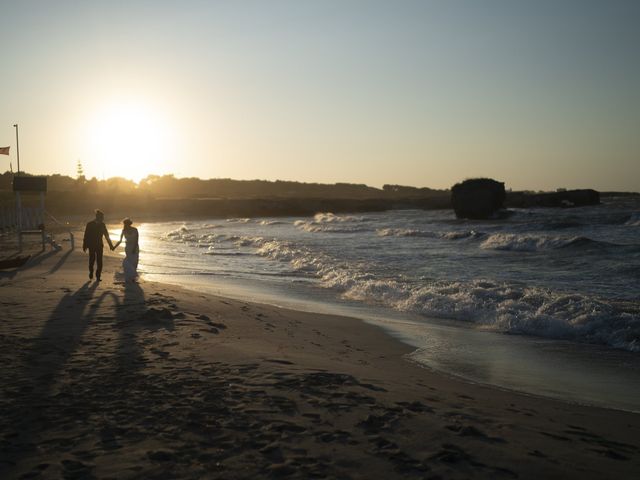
point(4, 150)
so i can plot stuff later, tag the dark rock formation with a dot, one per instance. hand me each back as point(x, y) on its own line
point(567, 198)
point(477, 198)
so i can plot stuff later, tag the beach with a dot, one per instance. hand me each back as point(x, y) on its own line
point(151, 380)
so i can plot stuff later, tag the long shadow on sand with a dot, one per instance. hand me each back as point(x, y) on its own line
point(28, 395)
point(72, 380)
point(132, 319)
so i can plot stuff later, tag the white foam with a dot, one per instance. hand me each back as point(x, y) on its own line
point(490, 305)
point(403, 232)
point(248, 241)
point(494, 306)
point(504, 308)
point(182, 234)
point(330, 223)
point(525, 243)
point(634, 220)
point(314, 228)
point(460, 235)
point(331, 218)
point(272, 222)
point(410, 232)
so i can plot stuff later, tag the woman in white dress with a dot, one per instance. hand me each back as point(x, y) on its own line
point(132, 250)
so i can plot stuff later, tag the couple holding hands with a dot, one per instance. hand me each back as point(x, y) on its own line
point(93, 233)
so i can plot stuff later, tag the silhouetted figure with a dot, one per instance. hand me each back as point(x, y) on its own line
point(96, 229)
point(132, 250)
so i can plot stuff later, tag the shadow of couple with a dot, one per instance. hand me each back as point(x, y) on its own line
point(73, 371)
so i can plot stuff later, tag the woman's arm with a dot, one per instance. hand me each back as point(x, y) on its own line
point(105, 232)
point(119, 241)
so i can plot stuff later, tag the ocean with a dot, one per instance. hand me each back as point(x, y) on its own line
point(546, 301)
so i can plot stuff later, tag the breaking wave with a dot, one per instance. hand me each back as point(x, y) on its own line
point(331, 218)
point(408, 232)
point(535, 243)
point(393, 265)
point(404, 232)
point(490, 305)
point(272, 222)
point(459, 235)
point(507, 309)
point(634, 220)
point(330, 223)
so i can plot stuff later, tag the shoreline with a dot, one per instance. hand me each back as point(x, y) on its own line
point(403, 328)
point(151, 379)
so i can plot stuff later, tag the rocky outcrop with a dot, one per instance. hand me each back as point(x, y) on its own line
point(565, 198)
point(478, 198)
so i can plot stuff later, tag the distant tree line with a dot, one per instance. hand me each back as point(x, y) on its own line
point(167, 195)
point(168, 186)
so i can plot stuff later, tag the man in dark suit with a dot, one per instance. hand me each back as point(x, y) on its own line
point(96, 229)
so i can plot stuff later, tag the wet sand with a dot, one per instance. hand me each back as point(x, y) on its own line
point(149, 380)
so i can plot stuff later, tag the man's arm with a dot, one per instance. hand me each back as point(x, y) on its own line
point(105, 232)
point(85, 239)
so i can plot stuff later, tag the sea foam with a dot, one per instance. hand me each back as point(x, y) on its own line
point(358, 269)
point(528, 243)
point(330, 223)
point(490, 305)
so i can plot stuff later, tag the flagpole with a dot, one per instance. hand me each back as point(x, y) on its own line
point(17, 148)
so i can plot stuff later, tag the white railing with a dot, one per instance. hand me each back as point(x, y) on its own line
point(31, 220)
point(8, 218)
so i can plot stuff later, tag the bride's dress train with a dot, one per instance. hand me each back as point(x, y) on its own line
point(130, 262)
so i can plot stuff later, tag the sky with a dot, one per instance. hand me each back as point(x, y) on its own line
point(540, 95)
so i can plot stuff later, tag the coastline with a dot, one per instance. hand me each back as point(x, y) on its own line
point(149, 380)
point(581, 374)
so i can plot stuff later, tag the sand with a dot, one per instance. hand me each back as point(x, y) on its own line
point(109, 380)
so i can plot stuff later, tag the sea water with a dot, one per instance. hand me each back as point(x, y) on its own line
point(545, 301)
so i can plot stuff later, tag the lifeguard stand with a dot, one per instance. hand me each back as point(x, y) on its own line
point(30, 218)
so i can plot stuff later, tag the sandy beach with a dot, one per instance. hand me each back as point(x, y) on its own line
point(147, 380)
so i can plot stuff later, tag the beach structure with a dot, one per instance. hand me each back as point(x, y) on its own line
point(28, 216)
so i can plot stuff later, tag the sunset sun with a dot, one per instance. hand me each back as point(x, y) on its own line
point(130, 140)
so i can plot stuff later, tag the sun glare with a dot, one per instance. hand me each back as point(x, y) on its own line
point(129, 140)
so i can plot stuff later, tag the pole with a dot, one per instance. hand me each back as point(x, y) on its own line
point(17, 147)
point(19, 215)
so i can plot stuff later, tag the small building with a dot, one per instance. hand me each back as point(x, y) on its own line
point(30, 213)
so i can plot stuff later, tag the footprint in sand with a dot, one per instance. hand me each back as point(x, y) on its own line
point(416, 407)
point(471, 431)
point(276, 360)
point(160, 353)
